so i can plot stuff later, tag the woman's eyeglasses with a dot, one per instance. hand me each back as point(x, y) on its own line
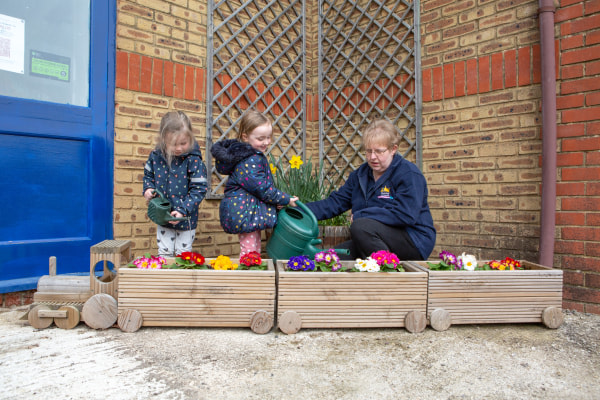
point(377, 152)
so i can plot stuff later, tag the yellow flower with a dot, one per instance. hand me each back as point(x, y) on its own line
point(296, 162)
point(222, 263)
point(273, 168)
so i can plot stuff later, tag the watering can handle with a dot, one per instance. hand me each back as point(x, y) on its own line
point(159, 193)
point(308, 212)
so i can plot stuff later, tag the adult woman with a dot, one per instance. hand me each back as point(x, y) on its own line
point(388, 198)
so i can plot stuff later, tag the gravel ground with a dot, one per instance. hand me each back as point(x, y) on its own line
point(526, 361)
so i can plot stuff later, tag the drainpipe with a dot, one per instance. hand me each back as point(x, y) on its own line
point(546, 18)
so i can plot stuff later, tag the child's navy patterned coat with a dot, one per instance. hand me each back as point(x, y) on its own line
point(184, 184)
point(251, 197)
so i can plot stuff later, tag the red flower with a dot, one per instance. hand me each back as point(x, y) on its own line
point(196, 258)
point(250, 259)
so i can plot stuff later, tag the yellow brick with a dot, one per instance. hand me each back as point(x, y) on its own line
point(159, 5)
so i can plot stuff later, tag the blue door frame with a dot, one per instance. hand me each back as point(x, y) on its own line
point(56, 171)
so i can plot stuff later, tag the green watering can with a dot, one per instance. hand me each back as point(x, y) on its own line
point(295, 234)
point(159, 210)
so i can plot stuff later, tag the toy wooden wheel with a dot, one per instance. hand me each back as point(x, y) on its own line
point(440, 319)
point(100, 311)
point(130, 320)
point(290, 322)
point(71, 317)
point(39, 321)
point(415, 321)
point(552, 317)
point(261, 322)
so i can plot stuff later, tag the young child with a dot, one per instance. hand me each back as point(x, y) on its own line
point(176, 169)
point(251, 199)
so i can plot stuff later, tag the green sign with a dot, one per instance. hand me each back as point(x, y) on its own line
point(50, 66)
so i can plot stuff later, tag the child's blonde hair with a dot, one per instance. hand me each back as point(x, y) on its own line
point(176, 123)
point(250, 121)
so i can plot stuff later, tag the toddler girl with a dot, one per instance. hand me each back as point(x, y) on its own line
point(251, 199)
point(176, 169)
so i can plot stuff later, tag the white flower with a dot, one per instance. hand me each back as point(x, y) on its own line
point(368, 265)
point(468, 261)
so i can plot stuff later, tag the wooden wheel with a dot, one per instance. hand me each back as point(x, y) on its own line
point(130, 320)
point(440, 319)
point(70, 320)
point(100, 311)
point(261, 322)
point(290, 322)
point(37, 321)
point(415, 321)
point(552, 317)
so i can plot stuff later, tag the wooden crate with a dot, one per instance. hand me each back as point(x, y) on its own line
point(351, 299)
point(486, 297)
point(194, 298)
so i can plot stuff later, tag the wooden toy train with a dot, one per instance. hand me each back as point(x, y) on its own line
point(132, 298)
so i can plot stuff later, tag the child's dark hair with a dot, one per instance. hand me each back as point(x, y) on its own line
point(176, 122)
point(250, 121)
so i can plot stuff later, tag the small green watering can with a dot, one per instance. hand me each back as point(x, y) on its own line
point(295, 234)
point(159, 210)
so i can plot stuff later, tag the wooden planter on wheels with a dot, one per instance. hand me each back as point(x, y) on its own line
point(486, 297)
point(351, 299)
point(196, 298)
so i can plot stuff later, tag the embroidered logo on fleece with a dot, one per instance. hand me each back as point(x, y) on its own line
point(385, 194)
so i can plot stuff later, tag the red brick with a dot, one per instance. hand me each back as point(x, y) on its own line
point(572, 130)
point(592, 6)
point(157, 77)
point(592, 68)
point(438, 83)
point(587, 114)
point(581, 263)
point(592, 38)
point(568, 247)
point(178, 90)
point(572, 71)
point(122, 70)
point(524, 66)
point(569, 159)
point(570, 189)
point(459, 76)
point(134, 72)
point(592, 219)
point(592, 249)
point(146, 75)
point(189, 83)
point(567, 13)
point(593, 188)
point(568, 233)
point(580, 174)
point(497, 71)
point(587, 53)
point(448, 81)
point(510, 68)
point(571, 42)
point(581, 294)
point(592, 308)
point(592, 99)
point(12, 299)
point(581, 204)
point(569, 305)
point(570, 218)
point(484, 74)
point(581, 144)
point(471, 74)
point(168, 79)
point(574, 101)
point(536, 52)
point(200, 84)
point(427, 89)
point(573, 278)
point(592, 158)
point(580, 25)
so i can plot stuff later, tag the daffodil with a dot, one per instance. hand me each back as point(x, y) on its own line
point(273, 168)
point(296, 162)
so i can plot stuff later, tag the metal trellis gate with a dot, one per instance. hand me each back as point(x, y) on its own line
point(369, 68)
point(256, 59)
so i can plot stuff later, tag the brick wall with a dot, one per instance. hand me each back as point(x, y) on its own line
point(481, 125)
point(482, 133)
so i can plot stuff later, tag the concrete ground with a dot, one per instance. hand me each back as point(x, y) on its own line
point(527, 361)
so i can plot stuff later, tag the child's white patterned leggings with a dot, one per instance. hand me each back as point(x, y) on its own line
point(172, 242)
point(249, 242)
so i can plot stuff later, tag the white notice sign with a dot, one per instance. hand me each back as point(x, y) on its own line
point(12, 44)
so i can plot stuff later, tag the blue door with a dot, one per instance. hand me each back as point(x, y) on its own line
point(56, 135)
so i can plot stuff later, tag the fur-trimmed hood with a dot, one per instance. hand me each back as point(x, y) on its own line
point(229, 152)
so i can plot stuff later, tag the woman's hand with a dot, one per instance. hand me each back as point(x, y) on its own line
point(149, 194)
point(175, 214)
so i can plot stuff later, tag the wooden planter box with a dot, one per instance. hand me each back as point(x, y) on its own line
point(351, 299)
point(487, 297)
point(194, 298)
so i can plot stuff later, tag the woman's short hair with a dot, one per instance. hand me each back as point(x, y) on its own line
point(381, 131)
point(251, 120)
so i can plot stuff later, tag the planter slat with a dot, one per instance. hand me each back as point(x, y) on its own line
point(474, 297)
point(350, 299)
point(188, 297)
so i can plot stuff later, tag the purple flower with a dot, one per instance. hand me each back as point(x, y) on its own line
point(449, 258)
point(301, 263)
